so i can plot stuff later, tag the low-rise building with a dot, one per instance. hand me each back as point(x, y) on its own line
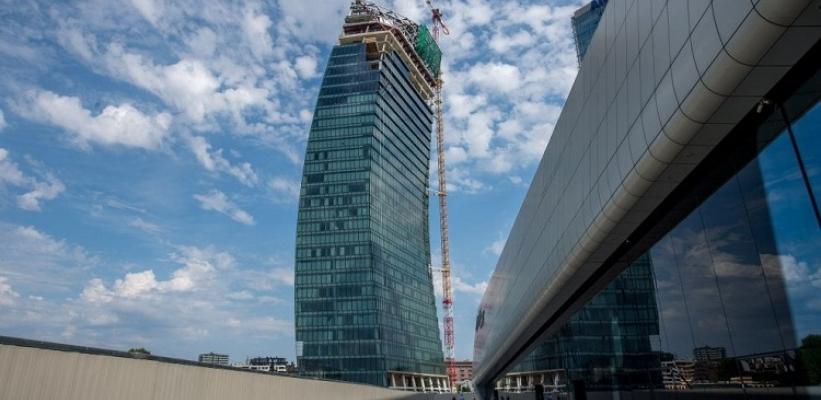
point(214, 358)
point(276, 365)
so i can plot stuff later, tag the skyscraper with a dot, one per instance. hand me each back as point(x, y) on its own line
point(609, 338)
point(365, 308)
point(585, 21)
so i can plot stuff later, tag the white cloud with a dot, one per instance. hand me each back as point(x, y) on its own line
point(495, 76)
point(496, 247)
point(463, 287)
point(136, 284)
point(38, 190)
point(268, 279)
point(797, 273)
point(308, 22)
point(198, 271)
point(502, 43)
point(96, 292)
point(458, 285)
point(10, 174)
point(306, 66)
point(255, 26)
point(2, 120)
point(38, 261)
point(41, 191)
point(144, 226)
point(219, 202)
point(190, 85)
point(149, 9)
point(284, 275)
point(7, 295)
point(284, 190)
point(242, 295)
point(115, 125)
point(213, 160)
point(459, 180)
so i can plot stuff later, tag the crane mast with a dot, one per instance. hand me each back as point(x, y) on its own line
point(447, 288)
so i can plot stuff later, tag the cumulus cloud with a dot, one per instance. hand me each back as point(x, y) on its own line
point(213, 160)
point(495, 76)
point(121, 125)
point(7, 296)
point(306, 66)
point(306, 21)
point(188, 85)
point(159, 307)
point(219, 202)
point(198, 271)
point(503, 93)
point(461, 286)
point(47, 190)
point(458, 284)
point(255, 26)
point(47, 187)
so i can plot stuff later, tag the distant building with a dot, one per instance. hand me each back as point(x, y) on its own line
point(214, 359)
point(585, 20)
point(708, 353)
point(276, 365)
point(618, 344)
point(464, 370)
point(677, 374)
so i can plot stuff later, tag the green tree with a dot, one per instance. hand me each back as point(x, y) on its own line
point(809, 358)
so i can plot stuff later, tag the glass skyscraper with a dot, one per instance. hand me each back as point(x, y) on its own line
point(585, 21)
point(365, 306)
point(606, 342)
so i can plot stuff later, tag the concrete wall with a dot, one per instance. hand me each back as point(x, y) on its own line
point(30, 373)
point(662, 83)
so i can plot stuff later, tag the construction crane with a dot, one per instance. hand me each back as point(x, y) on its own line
point(447, 289)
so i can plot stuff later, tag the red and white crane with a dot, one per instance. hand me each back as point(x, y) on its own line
point(447, 288)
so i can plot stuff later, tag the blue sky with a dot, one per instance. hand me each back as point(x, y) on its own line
point(150, 156)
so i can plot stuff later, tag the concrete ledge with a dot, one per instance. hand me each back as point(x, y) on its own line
point(41, 370)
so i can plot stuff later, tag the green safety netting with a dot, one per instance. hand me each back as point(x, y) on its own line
point(427, 48)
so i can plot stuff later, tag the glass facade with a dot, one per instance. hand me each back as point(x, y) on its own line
point(585, 22)
point(726, 299)
point(364, 292)
point(608, 340)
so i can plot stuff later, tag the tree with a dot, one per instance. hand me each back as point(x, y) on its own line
point(140, 351)
point(809, 359)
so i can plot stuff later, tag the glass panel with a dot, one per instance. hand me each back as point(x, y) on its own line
point(807, 132)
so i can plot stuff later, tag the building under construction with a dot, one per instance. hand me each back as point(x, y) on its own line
point(364, 299)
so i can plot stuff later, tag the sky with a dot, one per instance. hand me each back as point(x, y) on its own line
point(151, 154)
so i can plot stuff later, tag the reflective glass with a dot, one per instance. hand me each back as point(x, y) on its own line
point(363, 291)
point(735, 305)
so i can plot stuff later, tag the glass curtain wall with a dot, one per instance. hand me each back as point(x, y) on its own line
point(736, 282)
point(363, 291)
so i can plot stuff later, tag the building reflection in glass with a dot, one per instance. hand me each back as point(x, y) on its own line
point(729, 300)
